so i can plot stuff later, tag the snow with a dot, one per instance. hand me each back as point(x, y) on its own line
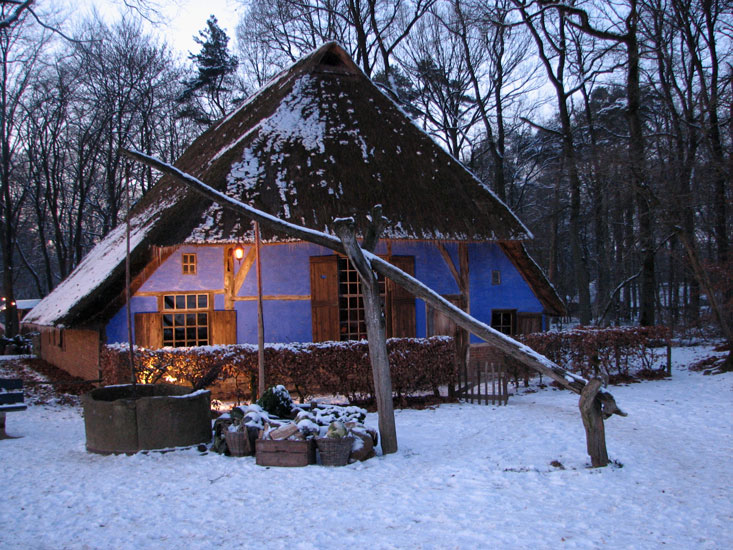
point(466, 476)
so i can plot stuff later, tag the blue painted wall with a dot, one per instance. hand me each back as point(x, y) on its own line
point(286, 271)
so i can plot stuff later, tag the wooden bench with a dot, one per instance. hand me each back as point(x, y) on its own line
point(11, 400)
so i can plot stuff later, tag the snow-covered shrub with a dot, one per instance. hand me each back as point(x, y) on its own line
point(605, 352)
point(277, 401)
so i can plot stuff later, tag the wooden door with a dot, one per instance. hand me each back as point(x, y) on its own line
point(324, 276)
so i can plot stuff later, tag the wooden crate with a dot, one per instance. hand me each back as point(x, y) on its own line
point(285, 452)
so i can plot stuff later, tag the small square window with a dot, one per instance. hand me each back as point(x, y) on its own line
point(496, 277)
point(189, 264)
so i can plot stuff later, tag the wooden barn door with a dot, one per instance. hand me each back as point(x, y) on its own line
point(401, 304)
point(324, 297)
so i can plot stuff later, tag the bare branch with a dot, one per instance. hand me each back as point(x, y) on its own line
point(14, 15)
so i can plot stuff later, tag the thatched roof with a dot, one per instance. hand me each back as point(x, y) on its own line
point(320, 141)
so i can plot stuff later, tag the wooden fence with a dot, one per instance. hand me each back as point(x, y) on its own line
point(483, 381)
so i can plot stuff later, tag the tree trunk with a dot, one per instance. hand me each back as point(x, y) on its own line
point(591, 410)
point(638, 173)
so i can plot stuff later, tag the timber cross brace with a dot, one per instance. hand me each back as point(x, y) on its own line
point(598, 403)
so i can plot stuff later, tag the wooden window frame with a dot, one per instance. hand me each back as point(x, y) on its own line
point(330, 290)
point(186, 312)
point(189, 263)
point(352, 322)
point(495, 277)
point(502, 324)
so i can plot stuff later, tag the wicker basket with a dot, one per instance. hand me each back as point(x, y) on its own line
point(334, 451)
point(238, 443)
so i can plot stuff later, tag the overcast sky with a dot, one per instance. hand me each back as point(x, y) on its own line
point(181, 19)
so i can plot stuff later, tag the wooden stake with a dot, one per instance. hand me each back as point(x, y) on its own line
point(260, 318)
point(128, 297)
point(591, 411)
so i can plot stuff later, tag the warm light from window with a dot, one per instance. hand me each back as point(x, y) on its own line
point(239, 253)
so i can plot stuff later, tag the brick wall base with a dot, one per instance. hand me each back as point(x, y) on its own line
point(74, 350)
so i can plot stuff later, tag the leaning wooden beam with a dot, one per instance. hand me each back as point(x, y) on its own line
point(511, 347)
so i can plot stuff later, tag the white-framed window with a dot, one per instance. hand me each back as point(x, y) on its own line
point(185, 320)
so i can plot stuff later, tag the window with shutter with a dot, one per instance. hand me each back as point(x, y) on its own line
point(185, 320)
point(337, 305)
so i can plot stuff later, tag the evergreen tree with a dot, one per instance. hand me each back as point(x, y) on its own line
point(210, 94)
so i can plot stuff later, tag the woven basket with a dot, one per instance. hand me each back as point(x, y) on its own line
point(334, 451)
point(238, 443)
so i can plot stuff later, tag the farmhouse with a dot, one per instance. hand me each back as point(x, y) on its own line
point(319, 142)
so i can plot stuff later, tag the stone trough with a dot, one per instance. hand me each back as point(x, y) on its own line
point(118, 419)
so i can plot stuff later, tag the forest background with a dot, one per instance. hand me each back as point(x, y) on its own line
point(605, 125)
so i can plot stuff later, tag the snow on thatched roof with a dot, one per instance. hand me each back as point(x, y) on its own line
point(320, 141)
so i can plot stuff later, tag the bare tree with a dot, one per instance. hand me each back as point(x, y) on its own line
point(124, 71)
point(701, 23)
point(371, 30)
point(20, 49)
point(550, 31)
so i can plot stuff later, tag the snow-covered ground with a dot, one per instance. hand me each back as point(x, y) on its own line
point(466, 476)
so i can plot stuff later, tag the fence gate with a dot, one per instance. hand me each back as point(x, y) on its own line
point(483, 381)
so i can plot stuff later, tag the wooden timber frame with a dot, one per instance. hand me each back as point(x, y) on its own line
point(604, 404)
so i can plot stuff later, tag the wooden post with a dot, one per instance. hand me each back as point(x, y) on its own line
point(591, 411)
point(260, 318)
point(128, 296)
point(376, 336)
point(495, 389)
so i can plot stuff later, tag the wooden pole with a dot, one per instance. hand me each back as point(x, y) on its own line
point(260, 318)
point(130, 352)
point(376, 335)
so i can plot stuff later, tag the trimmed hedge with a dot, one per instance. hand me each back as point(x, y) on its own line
point(416, 365)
